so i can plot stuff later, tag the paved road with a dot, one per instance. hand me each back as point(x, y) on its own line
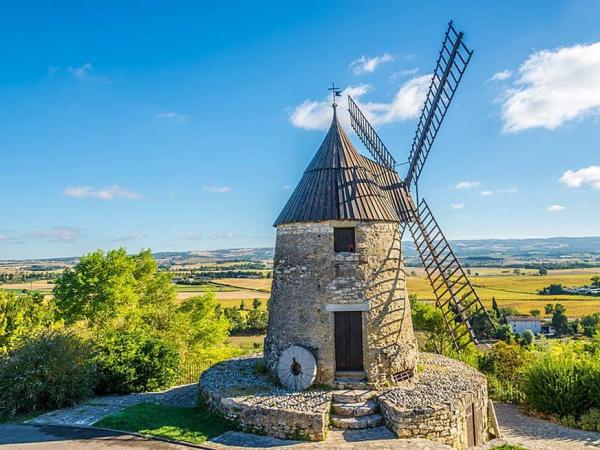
point(69, 438)
point(536, 434)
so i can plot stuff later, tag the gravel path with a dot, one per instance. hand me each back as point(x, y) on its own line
point(536, 434)
point(90, 412)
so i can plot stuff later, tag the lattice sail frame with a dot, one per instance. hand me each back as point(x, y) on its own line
point(449, 69)
point(455, 295)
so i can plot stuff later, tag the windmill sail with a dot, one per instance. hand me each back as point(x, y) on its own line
point(454, 294)
point(369, 137)
point(451, 64)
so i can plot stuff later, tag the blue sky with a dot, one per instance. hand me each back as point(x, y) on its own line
point(185, 125)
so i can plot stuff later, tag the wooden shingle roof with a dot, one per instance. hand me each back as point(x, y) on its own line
point(341, 184)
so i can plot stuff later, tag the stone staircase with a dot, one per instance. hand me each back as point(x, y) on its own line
point(354, 406)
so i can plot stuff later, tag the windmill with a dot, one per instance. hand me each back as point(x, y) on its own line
point(455, 296)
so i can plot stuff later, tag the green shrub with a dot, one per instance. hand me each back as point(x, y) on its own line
point(590, 421)
point(49, 371)
point(553, 384)
point(590, 381)
point(134, 361)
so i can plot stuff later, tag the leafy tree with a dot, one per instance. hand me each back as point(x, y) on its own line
point(235, 319)
point(257, 320)
point(591, 324)
point(200, 323)
point(495, 305)
point(21, 316)
point(504, 333)
point(560, 322)
point(528, 338)
point(105, 286)
point(535, 312)
point(242, 305)
point(543, 271)
point(256, 303)
point(549, 308)
point(517, 271)
point(596, 281)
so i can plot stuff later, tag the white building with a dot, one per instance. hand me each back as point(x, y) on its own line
point(519, 324)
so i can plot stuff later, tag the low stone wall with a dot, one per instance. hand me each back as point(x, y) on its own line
point(447, 403)
point(235, 389)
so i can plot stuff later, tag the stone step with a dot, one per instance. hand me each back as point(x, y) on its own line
point(352, 374)
point(356, 423)
point(355, 409)
point(351, 384)
point(352, 395)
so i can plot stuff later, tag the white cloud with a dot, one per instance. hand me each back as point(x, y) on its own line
point(216, 189)
point(404, 73)
point(369, 65)
point(80, 72)
point(577, 178)
point(57, 234)
point(501, 76)
point(406, 104)
point(105, 193)
point(3, 237)
point(554, 86)
point(457, 205)
point(287, 187)
point(462, 185)
point(509, 190)
point(555, 208)
point(173, 116)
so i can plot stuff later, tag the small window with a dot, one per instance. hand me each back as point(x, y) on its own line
point(343, 240)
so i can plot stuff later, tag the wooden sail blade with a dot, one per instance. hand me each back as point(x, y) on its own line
point(451, 64)
point(369, 136)
point(454, 294)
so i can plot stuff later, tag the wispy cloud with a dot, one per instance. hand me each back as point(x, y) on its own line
point(555, 208)
point(554, 86)
point(287, 187)
point(57, 234)
point(406, 104)
point(216, 189)
point(463, 185)
point(105, 193)
point(457, 205)
point(404, 73)
point(365, 64)
point(508, 190)
point(578, 178)
point(80, 72)
point(501, 76)
point(172, 116)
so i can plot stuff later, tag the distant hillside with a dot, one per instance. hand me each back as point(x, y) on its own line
point(554, 252)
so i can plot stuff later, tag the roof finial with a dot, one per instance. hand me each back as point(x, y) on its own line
point(335, 92)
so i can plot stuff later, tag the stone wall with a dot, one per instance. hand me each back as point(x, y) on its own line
point(437, 405)
point(309, 276)
point(234, 389)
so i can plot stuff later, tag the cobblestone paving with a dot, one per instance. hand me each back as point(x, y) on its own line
point(90, 412)
point(536, 434)
point(372, 439)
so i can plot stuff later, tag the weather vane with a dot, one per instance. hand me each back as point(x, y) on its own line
point(335, 92)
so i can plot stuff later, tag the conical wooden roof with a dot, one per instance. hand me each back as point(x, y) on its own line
point(338, 184)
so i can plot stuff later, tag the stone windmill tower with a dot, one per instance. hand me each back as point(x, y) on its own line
point(339, 287)
point(338, 282)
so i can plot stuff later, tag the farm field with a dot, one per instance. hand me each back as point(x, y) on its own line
point(260, 284)
point(520, 291)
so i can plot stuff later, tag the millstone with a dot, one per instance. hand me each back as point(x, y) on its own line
point(297, 368)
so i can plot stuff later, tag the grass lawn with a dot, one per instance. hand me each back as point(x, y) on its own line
point(194, 425)
point(509, 447)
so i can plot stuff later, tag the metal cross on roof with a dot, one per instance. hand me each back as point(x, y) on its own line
point(335, 92)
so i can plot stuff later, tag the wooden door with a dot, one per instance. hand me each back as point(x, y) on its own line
point(348, 340)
